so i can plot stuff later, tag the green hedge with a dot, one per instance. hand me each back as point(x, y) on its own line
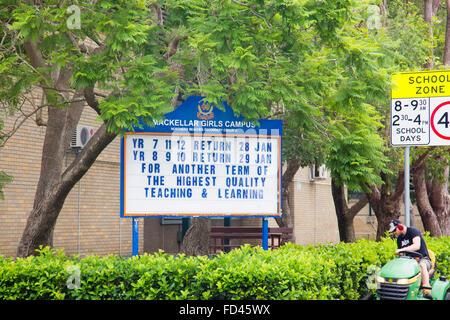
point(343, 271)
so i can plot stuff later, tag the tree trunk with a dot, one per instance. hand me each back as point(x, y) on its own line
point(433, 202)
point(429, 220)
point(386, 203)
point(385, 200)
point(344, 214)
point(41, 223)
point(428, 15)
point(345, 223)
point(430, 10)
point(54, 185)
point(440, 201)
point(447, 36)
point(385, 210)
point(287, 219)
point(48, 200)
point(196, 241)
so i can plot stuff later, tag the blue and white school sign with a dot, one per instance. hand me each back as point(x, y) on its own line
point(202, 161)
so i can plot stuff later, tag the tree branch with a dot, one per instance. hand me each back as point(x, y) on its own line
point(99, 141)
point(241, 4)
point(354, 209)
point(35, 55)
point(421, 159)
point(292, 167)
point(399, 185)
point(173, 45)
point(91, 100)
point(375, 194)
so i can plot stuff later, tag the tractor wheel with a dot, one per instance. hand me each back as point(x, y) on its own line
point(447, 296)
point(370, 296)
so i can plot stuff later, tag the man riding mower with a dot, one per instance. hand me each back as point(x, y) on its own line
point(411, 275)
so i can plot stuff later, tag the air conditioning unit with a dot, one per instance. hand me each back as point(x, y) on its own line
point(317, 172)
point(81, 136)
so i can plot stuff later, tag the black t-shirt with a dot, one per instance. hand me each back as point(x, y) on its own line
point(407, 240)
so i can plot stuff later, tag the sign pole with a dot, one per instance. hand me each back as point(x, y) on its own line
point(407, 194)
point(265, 234)
point(135, 227)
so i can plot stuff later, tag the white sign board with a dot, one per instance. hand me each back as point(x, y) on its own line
point(200, 175)
point(229, 168)
point(420, 108)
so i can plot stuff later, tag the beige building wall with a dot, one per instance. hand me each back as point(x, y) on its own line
point(315, 218)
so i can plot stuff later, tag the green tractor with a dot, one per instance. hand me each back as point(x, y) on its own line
point(400, 279)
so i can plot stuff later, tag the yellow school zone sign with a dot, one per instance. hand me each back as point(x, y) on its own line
point(421, 84)
point(420, 108)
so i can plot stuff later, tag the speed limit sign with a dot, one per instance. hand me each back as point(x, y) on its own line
point(440, 120)
point(420, 108)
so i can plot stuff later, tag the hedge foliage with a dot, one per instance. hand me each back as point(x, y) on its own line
point(342, 271)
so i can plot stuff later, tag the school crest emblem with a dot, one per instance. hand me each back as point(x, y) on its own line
point(205, 111)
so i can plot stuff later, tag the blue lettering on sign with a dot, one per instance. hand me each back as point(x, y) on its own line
point(195, 181)
point(141, 155)
point(150, 168)
point(138, 143)
point(155, 180)
point(240, 194)
point(245, 182)
point(241, 170)
point(213, 157)
point(212, 145)
point(261, 158)
point(264, 146)
point(168, 193)
point(193, 168)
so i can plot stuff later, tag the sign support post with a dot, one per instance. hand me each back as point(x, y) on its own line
point(135, 226)
point(265, 234)
point(407, 195)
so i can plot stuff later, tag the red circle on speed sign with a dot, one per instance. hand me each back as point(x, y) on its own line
point(440, 135)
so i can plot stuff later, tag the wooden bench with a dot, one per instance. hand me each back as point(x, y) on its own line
point(277, 236)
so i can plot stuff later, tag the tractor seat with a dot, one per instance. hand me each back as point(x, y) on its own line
point(433, 263)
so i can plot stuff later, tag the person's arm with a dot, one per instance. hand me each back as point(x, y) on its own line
point(415, 246)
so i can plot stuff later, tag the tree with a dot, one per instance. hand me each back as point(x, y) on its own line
point(409, 48)
point(345, 214)
point(351, 78)
point(355, 150)
point(319, 67)
point(129, 61)
point(424, 41)
point(431, 177)
point(269, 60)
point(117, 61)
point(356, 158)
point(431, 190)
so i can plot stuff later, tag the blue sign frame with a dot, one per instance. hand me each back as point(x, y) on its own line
point(197, 117)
